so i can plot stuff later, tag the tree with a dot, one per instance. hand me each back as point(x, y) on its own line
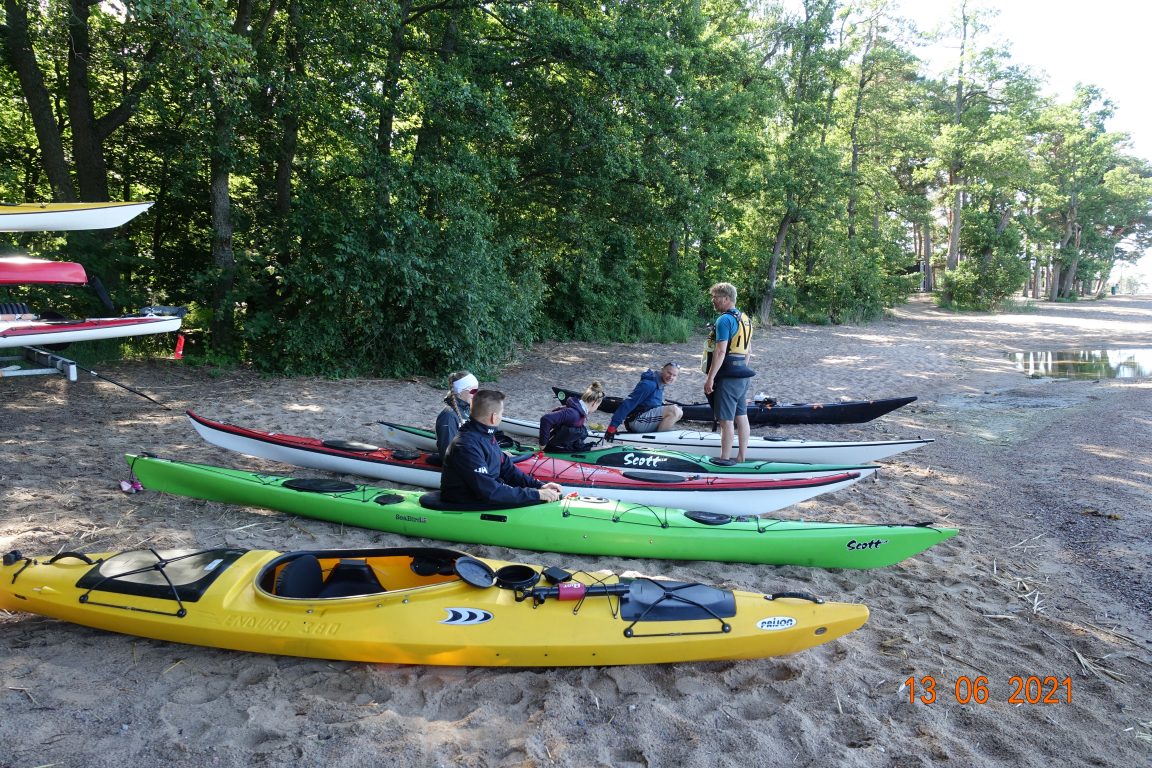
point(1092, 196)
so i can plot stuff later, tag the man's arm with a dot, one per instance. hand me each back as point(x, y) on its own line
point(724, 334)
point(512, 475)
point(516, 480)
point(718, 355)
point(468, 465)
point(638, 395)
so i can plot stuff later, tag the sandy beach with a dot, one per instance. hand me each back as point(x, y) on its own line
point(1049, 481)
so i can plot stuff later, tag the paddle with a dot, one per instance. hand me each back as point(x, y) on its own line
point(122, 386)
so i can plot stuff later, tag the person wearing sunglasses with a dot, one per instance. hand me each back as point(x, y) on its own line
point(725, 365)
point(462, 385)
point(644, 410)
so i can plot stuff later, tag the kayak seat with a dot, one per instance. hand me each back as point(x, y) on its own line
point(301, 578)
point(432, 500)
point(351, 577)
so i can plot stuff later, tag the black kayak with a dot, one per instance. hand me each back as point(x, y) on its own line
point(769, 412)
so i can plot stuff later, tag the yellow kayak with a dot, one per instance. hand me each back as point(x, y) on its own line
point(414, 605)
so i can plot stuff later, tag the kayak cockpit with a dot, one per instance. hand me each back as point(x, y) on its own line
point(322, 575)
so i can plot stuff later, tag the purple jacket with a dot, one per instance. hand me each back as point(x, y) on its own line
point(563, 429)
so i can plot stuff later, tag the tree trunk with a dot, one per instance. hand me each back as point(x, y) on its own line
point(1001, 226)
point(224, 118)
point(773, 266)
point(928, 279)
point(87, 144)
point(22, 57)
point(223, 325)
point(1072, 230)
point(670, 264)
point(390, 89)
point(955, 218)
point(430, 134)
point(854, 133)
point(290, 123)
point(955, 176)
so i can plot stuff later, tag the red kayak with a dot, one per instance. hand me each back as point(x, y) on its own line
point(728, 495)
point(21, 270)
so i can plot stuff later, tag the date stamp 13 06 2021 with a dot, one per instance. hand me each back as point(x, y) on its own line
point(1021, 689)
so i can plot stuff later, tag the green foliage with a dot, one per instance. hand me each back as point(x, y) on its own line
point(416, 188)
point(982, 284)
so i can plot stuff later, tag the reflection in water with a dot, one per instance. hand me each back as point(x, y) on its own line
point(1086, 363)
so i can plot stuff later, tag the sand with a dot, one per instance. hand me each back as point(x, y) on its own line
point(1048, 480)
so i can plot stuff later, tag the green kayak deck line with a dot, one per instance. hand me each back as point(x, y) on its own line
point(579, 525)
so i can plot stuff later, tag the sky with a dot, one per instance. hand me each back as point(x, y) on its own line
point(1102, 42)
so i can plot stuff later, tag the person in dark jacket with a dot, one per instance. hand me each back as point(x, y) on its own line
point(644, 410)
point(564, 429)
point(476, 471)
point(462, 385)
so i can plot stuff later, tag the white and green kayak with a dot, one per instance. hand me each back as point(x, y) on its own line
point(760, 448)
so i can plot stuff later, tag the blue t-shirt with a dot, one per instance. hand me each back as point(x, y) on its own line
point(727, 326)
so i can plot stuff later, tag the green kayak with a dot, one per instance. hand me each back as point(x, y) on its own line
point(581, 525)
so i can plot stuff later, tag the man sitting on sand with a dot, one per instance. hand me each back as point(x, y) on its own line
point(476, 471)
point(644, 410)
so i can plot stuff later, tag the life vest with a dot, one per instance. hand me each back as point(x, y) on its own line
point(738, 346)
point(569, 439)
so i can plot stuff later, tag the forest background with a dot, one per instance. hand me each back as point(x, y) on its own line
point(385, 187)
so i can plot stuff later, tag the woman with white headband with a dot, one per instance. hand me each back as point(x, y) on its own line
point(462, 385)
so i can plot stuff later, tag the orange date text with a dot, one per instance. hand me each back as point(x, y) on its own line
point(1022, 689)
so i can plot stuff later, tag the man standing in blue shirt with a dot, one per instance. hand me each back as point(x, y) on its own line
point(726, 371)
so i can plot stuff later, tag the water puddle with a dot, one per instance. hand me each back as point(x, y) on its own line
point(1085, 363)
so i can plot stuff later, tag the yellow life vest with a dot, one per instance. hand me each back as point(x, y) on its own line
point(738, 345)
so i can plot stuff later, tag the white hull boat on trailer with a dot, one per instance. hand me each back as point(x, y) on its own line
point(65, 217)
point(38, 333)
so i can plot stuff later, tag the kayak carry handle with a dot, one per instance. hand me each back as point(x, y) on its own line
point(796, 595)
point(78, 555)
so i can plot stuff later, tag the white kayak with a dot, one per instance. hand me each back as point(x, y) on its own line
point(732, 495)
point(35, 333)
point(64, 217)
point(760, 448)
